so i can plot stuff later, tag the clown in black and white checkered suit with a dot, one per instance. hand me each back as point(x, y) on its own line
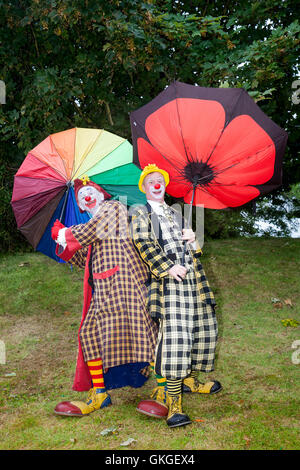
point(179, 296)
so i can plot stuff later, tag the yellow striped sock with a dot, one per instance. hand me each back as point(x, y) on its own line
point(174, 387)
point(161, 381)
point(96, 371)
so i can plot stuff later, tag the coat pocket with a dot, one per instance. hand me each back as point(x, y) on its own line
point(105, 274)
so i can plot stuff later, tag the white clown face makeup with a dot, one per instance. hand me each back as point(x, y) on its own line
point(154, 186)
point(89, 199)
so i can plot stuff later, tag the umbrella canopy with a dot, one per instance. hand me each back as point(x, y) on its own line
point(217, 145)
point(43, 189)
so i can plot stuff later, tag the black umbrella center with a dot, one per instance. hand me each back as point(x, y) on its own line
point(199, 173)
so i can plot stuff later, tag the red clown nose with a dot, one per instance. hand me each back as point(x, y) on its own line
point(157, 186)
point(87, 198)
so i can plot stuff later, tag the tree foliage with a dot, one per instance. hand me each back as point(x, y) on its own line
point(88, 63)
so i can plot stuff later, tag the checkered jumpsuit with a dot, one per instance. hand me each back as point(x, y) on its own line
point(188, 329)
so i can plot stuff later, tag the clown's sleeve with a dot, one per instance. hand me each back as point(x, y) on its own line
point(148, 247)
point(69, 250)
point(103, 225)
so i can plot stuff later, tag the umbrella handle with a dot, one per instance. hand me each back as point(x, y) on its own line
point(189, 221)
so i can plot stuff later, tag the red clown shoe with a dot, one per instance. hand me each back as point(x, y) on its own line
point(152, 408)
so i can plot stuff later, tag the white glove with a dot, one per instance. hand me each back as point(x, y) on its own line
point(61, 237)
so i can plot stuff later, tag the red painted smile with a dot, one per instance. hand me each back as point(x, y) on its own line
point(91, 204)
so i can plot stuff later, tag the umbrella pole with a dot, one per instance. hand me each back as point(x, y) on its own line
point(63, 210)
point(65, 201)
point(189, 220)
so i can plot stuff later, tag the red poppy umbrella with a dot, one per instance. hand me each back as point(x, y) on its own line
point(217, 145)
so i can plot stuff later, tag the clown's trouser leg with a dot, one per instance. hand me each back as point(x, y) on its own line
point(176, 417)
point(171, 349)
point(160, 392)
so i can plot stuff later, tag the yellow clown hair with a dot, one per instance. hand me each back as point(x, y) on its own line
point(152, 168)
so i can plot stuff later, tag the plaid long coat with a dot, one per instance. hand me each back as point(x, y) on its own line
point(126, 332)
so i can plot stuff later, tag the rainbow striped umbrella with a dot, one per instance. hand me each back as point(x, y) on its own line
point(43, 190)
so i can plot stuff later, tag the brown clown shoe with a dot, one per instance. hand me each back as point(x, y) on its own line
point(95, 401)
point(192, 385)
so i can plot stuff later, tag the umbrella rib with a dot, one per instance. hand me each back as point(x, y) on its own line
point(105, 156)
point(190, 186)
point(102, 159)
point(275, 139)
point(60, 182)
point(186, 154)
point(222, 132)
point(74, 148)
point(178, 169)
point(215, 183)
point(48, 191)
point(225, 124)
point(60, 158)
point(206, 191)
point(75, 170)
point(239, 162)
point(52, 168)
point(180, 178)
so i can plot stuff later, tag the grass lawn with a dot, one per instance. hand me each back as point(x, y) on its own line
point(40, 311)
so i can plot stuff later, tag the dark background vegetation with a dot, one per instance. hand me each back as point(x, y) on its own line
point(88, 63)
